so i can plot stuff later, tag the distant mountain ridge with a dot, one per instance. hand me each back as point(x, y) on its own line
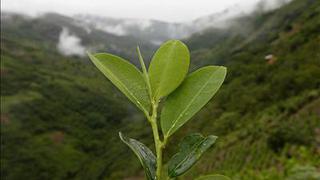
point(49, 28)
point(156, 31)
point(145, 31)
point(153, 31)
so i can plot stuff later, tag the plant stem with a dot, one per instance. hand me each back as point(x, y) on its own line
point(158, 143)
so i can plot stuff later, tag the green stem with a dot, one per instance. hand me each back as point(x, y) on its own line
point(158, 143)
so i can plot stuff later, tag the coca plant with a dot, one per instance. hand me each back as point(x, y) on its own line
point(184, 94)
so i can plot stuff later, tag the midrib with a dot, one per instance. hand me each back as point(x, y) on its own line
point(121, 84)
point(189, 104)
point(165, 70)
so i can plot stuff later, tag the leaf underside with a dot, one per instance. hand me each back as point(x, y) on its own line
point(125, 76)
point(145, 155)
point(168, 68)
point(196, 90)
point(190, 150)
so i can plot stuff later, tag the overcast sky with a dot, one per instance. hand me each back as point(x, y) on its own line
point(166, 10)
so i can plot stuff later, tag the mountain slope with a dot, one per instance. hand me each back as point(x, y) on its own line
point(267, 112)
point(49, 27)
point(60, 117)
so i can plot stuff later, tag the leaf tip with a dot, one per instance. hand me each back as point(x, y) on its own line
point(213, 137)
point(121, 135)
point(224, 68)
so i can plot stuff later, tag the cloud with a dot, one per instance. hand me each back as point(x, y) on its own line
point(165, 10)
point(268, 5)
point(69, 44)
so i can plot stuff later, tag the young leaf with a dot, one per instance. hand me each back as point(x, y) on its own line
point(213, 177)
point(168, 68)
point(191, 149)
point(125, 76)
point(190, 97)
point(145, 73)
point(145, 155)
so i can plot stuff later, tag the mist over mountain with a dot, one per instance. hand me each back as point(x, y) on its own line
point(70, 44)
point(60, 116)
point(158, 31)
point(68, 36)
point(147, 30)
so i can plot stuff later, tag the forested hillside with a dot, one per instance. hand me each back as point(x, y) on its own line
point(267, 113)
point(60, 117)
point(46, 29)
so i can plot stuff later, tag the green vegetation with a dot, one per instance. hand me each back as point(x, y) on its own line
point(60, 118)
point(165, 77)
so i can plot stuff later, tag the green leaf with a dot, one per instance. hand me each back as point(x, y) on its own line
point(145, 155)
point(198, 88)
point(213, 177)
point(145, 73)
point(168, 68)
point(191, 149)
point(125, 76)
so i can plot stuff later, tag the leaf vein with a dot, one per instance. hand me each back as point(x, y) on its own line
point(189, 104)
